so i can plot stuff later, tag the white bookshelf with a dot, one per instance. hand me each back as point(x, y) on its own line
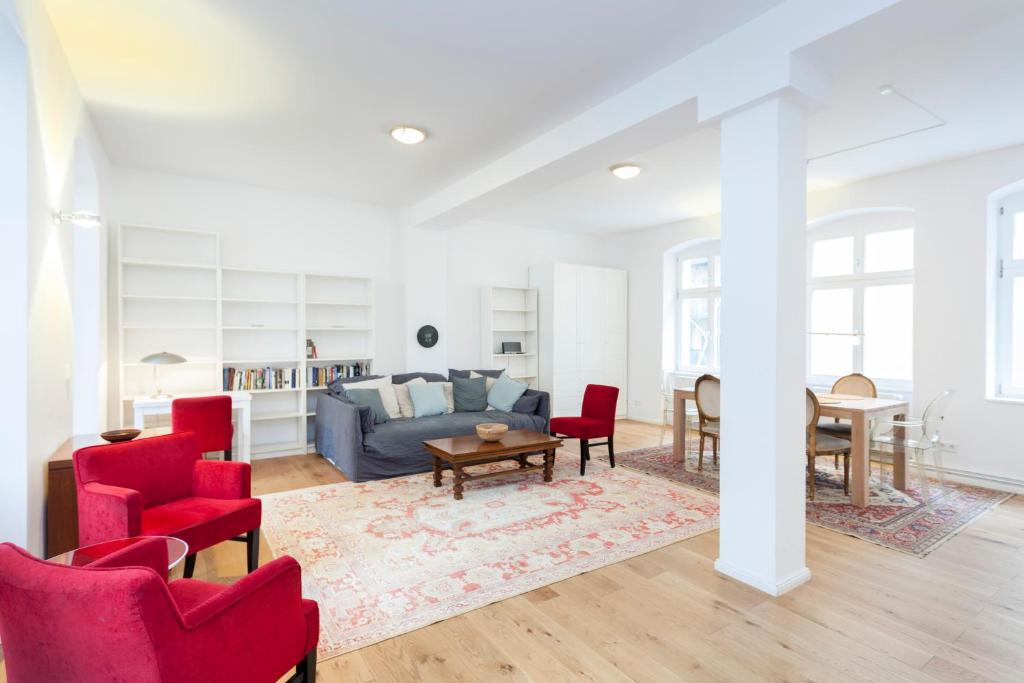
point(175, 296)
point(509, 314)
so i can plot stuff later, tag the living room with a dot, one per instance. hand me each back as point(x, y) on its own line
point(423, 305)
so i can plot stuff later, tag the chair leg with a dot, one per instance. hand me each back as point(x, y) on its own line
point(835, 462)
point(190, 565)
point(700, 454)
point(584, 456)
point(714, 450)
point(611, 451)
point(305, 671)
point(846, 474)
point(252, 549)
point(227, 455)
point(810, 474)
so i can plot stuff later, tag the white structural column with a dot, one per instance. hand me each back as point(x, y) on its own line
point(762, 540)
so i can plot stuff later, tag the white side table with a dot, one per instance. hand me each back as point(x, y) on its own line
point(240, 401)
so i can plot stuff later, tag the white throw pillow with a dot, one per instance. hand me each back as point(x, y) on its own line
point(387, 393)
point(404, 400)
point(449, 396)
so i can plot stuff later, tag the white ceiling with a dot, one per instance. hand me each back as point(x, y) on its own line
point(962, 60)
point(299, 96)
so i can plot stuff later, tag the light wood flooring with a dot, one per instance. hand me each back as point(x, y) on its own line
point(868, 613)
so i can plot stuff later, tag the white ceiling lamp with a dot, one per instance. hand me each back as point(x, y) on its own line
point(408, 135)
point(625, 171)
point(82, 219)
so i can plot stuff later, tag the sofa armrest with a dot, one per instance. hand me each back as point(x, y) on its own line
point(149, 552)
point(543, 406)
point(107, 512)
point(341, 427)
point(219, 479)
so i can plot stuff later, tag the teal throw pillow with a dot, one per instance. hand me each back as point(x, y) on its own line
point(470, 394)
point(428, 399)
point(505, 392)
point(371, 398)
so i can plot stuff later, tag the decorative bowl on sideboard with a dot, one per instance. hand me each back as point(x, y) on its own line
point(117, 435)
point(491, 431)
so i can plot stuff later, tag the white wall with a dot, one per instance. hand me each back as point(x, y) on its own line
point(950, 204)
point(56, 119)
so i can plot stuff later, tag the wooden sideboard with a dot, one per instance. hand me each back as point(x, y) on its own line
point(61, 499)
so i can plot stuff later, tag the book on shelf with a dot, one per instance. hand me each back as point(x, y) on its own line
point(322, 376)
point(310, 349)
point(260, 379)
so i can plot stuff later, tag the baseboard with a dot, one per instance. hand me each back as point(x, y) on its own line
point(772, 588)
point(988, 481)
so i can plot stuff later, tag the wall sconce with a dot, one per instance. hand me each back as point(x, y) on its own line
point(82, 219)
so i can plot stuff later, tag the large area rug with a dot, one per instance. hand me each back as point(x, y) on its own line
point(387, 557)
point(895, 519)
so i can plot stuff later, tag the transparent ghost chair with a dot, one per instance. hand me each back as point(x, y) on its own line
point(921, 436)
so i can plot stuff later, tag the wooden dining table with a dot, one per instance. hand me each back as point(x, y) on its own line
point(858, 411)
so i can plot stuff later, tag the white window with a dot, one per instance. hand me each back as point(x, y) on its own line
point(861, 301)
point(698, 302)
point(1010, 298)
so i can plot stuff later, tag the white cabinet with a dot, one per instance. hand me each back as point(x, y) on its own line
point(582, 338)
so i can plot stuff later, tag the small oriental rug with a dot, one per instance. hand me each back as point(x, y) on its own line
point(386, 557)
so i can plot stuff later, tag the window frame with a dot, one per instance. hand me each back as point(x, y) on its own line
point(1006, 271)
point(857, 281)
point(712, 251)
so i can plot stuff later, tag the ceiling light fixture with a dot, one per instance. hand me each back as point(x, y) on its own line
point(82, 219)
point(408, 135)
point(625, 171)
point(886, 89)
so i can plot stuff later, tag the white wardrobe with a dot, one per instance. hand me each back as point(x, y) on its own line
point(582, 332)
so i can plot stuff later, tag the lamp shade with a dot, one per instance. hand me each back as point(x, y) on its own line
point(163, 358)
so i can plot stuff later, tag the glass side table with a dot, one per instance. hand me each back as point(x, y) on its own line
point(84, 556)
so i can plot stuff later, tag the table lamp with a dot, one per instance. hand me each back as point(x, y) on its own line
point(158, 359)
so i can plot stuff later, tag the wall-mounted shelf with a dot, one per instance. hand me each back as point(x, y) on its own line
point(509, 314)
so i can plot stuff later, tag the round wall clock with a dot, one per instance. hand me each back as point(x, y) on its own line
point(427, 336)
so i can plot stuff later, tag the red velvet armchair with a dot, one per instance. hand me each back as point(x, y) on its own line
point(119, 620)
point(161, 486)
point(209, 417)
point(596, 422)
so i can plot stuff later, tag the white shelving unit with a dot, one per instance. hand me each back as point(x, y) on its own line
point(509, 314)
point(175, 296)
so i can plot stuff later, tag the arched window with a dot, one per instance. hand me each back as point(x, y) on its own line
point(698, 302)
point(860, 297)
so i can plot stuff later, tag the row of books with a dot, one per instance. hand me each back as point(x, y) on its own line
point(255, 379)
point(322, 376)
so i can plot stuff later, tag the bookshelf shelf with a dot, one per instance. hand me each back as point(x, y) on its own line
point(176, 295)
point(509, 315)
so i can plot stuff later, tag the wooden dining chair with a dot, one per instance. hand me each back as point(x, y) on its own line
point(708, 397)
point(854, 384)
point(822, 443)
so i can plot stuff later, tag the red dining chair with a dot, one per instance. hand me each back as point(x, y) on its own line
point(209, 417)
point(161, 486)
point(119, 620)
point(596, 422)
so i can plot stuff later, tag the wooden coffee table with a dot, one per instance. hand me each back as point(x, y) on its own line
point(518, 445)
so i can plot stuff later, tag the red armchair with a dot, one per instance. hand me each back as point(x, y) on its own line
point(209, 417)
point(597, 421)
point(119, 620)
point(161, 486)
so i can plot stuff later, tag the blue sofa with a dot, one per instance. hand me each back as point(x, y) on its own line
point(346, 435)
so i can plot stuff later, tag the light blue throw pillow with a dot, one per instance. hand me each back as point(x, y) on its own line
point(428, 399)
point(505, 392)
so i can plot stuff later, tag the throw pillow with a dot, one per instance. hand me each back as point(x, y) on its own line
point(452, 373)
point(370, 398)
point(505, 392)
point(449, 395)
point(470, 394)
point(490, 379)
point(404, 400)
point(428, 399)
point(527, 403)
point(337, 387)
point(387, 393)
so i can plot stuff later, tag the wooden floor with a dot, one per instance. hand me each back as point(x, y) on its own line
point(868, 613)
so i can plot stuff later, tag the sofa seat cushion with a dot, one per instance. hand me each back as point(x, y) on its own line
point(202, 522)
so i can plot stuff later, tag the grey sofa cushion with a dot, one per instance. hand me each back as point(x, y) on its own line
point(408, 376)
point(527, 403)
point(371, 398)
point(452, 373)
point(470, 394)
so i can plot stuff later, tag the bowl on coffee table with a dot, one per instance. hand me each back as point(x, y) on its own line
point(491, 431)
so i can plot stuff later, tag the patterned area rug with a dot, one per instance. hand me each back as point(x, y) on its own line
point(387, 557)
point(895, 519)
